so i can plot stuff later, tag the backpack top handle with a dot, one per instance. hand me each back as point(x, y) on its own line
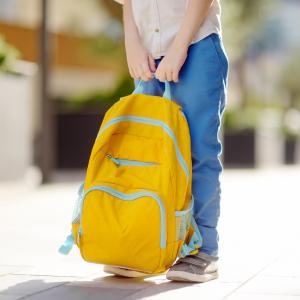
point(167, 92)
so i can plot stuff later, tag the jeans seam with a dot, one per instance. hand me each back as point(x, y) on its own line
point(219, 58)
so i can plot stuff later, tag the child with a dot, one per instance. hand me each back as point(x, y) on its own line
point(180, 41)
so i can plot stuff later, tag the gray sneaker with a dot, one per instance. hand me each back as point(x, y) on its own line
point(194, 268)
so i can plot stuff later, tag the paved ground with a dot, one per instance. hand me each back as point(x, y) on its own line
point(259, 241)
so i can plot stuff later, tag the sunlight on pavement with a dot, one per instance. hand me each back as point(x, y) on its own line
point(259, 245)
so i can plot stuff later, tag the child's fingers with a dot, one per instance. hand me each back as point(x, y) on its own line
point(131, 72)
point(151, 63)
point(136, 73)
point(175, 76)
point(145, 78)
point(169, 75)
point(142, 75)
point(161, 76)
point(158, 74)
point(146, 73)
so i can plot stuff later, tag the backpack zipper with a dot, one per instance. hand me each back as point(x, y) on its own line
point(130, 197)
point(129, 162)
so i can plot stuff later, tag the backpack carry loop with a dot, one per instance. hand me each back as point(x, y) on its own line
point(195, 242)
point(67, 246)
point(139, 89)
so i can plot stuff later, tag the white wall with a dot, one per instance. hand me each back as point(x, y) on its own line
point(17, 122)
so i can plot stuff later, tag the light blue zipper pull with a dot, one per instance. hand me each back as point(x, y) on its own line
point(115, 160)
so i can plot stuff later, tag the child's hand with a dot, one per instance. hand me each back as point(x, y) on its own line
point(170, 65)
point(141, 64)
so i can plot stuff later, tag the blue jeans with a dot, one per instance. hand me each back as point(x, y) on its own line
point(201, 91)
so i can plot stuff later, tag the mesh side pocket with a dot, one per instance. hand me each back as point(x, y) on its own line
point(182, 226)
point(78, 205)
point(183, 221)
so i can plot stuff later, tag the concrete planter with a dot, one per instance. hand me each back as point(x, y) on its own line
point(17, 121)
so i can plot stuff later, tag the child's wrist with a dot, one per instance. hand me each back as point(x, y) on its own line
point(181, 41)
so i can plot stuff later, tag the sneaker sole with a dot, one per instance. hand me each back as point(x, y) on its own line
point(188, 277)
point(123, 272)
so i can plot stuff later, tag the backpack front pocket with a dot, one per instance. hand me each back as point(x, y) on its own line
point(122, 227)
point(132, 161)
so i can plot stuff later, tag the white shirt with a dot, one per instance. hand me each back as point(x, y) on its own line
point(158, 21)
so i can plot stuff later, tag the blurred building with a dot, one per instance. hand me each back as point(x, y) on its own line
point(70, 25)
point(76, 68)
point(82, 39)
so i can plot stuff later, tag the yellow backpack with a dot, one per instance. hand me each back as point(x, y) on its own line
point(135, 208)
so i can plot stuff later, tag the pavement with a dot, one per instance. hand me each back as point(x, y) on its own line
point(259, 245)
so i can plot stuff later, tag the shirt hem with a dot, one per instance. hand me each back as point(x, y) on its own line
point(198, 38)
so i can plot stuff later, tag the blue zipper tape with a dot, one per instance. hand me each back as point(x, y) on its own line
point(130, 162)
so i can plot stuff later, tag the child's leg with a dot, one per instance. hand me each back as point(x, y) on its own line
point(201, 92)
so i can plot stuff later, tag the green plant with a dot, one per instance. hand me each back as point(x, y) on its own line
point(8, 56)
point(243, 20)
point(241, 119)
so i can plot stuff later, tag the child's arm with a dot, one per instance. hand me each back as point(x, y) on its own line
point(175, 57)
point(141, 64)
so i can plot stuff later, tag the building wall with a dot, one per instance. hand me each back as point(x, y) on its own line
point(80, 16)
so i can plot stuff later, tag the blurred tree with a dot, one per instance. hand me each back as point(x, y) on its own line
point(108, 45)
point(289, 79)
point(242, 20)
point(290, 91)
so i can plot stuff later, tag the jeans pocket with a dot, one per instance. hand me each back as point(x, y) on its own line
point(221, 54)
